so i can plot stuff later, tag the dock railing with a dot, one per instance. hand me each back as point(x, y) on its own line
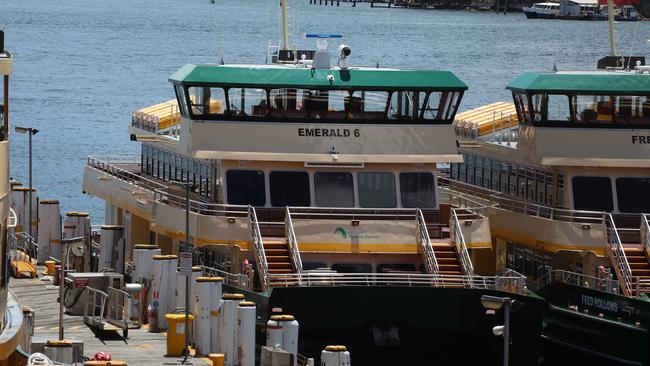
point(424, 241)
point(118, 312)
point(258, 249)
point(95, 308)
point(231, 279)
point(615, 248)
point(292, 241)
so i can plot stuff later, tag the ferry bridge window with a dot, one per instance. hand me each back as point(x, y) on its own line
point(334, 189)
point(417, 190)
point(206, 101)
point(246, 187)
point(368, 105)
point(247, 102)
point(288, 103)
point(289, 189)
point(406, 104)
point(180, 99)
point(558, 108)
point(377, 190)
point(452, 100)
point(521, 104)
point(632, 195)
point(592, 194)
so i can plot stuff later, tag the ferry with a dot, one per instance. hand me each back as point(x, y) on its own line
point(565, 174)
point(542, 10)
point(580, 10)
point(11, 313)
point(315, 191)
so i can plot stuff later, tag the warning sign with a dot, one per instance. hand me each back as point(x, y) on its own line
point(185, 263)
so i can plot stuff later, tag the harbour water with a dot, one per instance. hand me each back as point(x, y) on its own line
point(82, 67)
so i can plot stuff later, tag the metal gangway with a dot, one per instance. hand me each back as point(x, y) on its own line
point(112, 308)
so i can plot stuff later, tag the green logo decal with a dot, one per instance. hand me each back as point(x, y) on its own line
point(342, 232)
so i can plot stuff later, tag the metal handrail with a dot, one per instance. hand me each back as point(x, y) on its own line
point(118, 312)
point(162, 192)
point(26, 243)
point(645, 233)
point(293, 242)
point(353, 213)
point(608, 284)
point(616, 248)
point(13, 219)
point(424, 241)
point(258, 249)
point(92, 316)
point(514, 284)
point(461, 247)
point(231, 279)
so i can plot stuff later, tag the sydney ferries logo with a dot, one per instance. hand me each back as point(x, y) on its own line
point(354, 234)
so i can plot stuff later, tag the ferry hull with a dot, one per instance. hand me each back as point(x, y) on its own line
point(433, 325)
point(616, 337)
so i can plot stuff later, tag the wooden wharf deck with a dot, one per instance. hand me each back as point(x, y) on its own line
point(141, 348)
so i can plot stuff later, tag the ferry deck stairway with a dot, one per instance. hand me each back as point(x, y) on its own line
point(629, 249)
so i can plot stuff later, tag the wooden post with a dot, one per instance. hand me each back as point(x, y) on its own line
point(505, 8)
point(337, 2)
point(372, 4)
point(354, 4)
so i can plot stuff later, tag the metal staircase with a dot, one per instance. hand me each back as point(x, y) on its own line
point(618, 254)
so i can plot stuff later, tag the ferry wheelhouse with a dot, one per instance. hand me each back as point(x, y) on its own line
point(316, 190)
point(566, 178)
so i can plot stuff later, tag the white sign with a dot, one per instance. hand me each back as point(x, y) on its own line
point(186, 263)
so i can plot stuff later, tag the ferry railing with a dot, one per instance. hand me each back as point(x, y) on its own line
point(513, 284)
point(13, 219)
point(231, 279)
point(342, 213)
point(258, 249)
point(615, 247)
point(424, 241)
point(25, 243)
point(461, 248)
point(642, 286)
point(604, 284)
point(160, 191)
point(293, 242)
point(645, 234)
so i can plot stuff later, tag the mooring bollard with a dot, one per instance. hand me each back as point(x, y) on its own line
point(335, 356)
point(228, 326)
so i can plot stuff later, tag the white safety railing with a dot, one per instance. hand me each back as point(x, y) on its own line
point(95, 308)
point(13, 219)
point(117, 309)
point(615, 247)
point(258, 249)
point(231, 279)
point(293, 242)
point(513, 284)
point(159, 191)
point(604, 284)
point(461, 247)
point(424, 241)
point(645, 233)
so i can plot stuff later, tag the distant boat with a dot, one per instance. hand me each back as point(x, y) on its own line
point(547, 10)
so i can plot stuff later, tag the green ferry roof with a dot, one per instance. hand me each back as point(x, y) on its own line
point(599, 82)
point(353, 79)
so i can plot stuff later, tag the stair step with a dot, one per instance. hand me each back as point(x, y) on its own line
point(639, 265)
point(446, 260)
point(276, 252)
point(275, 246)
point(450, 272)
point(280, 271)
point(636, 259)
point(641, 272)
point(277, 265)
point(278, 258)
point(449, 267)
point(441, 245)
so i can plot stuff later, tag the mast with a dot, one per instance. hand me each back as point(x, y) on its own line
point(610, 21)
point(285, 25)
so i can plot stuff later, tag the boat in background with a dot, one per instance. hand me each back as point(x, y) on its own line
point(624, 10)
point(546, 10)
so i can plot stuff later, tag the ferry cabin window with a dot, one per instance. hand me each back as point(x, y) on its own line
point(334, 189)
point(417, 190)
point(180, 98)
point(406, 105)
point(245, 187)
point(592, 194)
point(368, 105)
point(288, 103)
point(206, 101)
point(247, 102)
point(352, 268)
point(633, 195)
point(377, 190)
point(289, 189)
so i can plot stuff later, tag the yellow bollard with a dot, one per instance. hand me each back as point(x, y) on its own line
point(217, 359)
point(176, 333)
point(49, 265)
